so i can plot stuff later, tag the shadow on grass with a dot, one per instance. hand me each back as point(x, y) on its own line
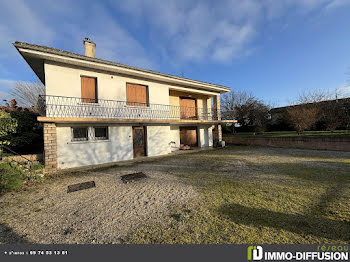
point(9, 236)
point(296, 223)
point(327, 199)
point(315, 171)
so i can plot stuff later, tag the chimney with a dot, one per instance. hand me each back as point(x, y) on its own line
point(89, 48)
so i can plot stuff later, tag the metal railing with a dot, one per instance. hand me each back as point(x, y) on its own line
point(62, 106)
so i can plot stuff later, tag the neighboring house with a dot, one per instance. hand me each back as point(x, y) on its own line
point(96, 111)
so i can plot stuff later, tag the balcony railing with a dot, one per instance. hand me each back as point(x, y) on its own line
point(77, 107)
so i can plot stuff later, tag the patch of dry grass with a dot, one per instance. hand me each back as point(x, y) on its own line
point(259, 195)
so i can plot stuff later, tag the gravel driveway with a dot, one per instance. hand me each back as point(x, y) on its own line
point(104, 214)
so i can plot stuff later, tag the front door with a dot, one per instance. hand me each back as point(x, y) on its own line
point(139, 140)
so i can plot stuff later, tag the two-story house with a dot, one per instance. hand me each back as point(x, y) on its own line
point(96, 111)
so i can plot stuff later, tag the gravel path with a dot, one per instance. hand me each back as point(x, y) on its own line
point(104, 214)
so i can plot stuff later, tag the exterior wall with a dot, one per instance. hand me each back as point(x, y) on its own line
point(205, 137)
point(174, 138)
point(62, 80)
point(158, 140)
point(118, 147)
point(320, 143)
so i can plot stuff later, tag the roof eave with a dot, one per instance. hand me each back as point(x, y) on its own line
point(88, 62)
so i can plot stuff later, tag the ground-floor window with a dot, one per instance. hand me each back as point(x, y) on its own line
point(100, 132)
point(79, 133)
point(90, 133)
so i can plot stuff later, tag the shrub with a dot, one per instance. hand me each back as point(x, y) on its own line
point(11, 177)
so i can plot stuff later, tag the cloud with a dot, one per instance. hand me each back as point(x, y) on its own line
point(343, 91)
point(64, 24)
point(6, 84)
point(177, 31)
point(20, 22)
point(197, 31)
point(5, 88)
point(207, 31)
point(337, 4)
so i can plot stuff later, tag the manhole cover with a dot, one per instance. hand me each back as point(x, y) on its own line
point(133, 177)
point(81, 186)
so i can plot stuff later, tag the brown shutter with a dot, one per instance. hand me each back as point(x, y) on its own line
point(188, 136)
point(136, 95)
point(88, 90)
point(188, 108)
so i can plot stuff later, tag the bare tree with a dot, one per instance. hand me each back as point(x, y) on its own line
point(302, 117)
point(249, 111)
point(332, 114)
point(346, 115)
point(27, 93)
point(313, 96)
point(306, 110)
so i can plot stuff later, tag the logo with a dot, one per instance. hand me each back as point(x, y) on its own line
point(255, 253)
point(330, 253)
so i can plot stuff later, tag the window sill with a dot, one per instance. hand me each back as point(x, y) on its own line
point(89, 141)
point(88, 104)
point(139, 107)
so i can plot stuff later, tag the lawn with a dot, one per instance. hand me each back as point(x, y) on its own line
point(294, 133)
point(259, 195)
point(238, 194)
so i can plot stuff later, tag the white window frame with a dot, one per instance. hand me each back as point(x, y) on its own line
point(93, 133)
point(78, 139)
point(90, 134)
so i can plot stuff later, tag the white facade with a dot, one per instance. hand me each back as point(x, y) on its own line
point(161, 139)
point(119, 145)
point(70, 154)
point(118, 129)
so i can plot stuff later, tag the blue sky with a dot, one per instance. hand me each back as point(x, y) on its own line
point(274, 49)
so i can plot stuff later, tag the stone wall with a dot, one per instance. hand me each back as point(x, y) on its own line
point(50, 148)
point(319, 143)
point(31, 157)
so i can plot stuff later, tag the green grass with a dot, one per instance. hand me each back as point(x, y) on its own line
point(259, 195)
point(11, 177)
point(293, 133)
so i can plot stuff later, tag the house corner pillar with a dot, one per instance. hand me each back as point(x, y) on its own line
point(218, 130)
point(50, 148)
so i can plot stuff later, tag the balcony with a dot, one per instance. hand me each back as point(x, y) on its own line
point(84, 109)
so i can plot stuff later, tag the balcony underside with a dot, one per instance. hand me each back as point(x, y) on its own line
point(85, 120)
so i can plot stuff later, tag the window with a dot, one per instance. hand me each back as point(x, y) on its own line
point(89, 133)
point(100, 133)
point(88, 89)
point(136, 95)
point(79, 133)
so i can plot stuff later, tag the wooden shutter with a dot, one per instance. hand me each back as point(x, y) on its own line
point(88, 90)
point(188, 108)
point(188, 136)
point(136, 95)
